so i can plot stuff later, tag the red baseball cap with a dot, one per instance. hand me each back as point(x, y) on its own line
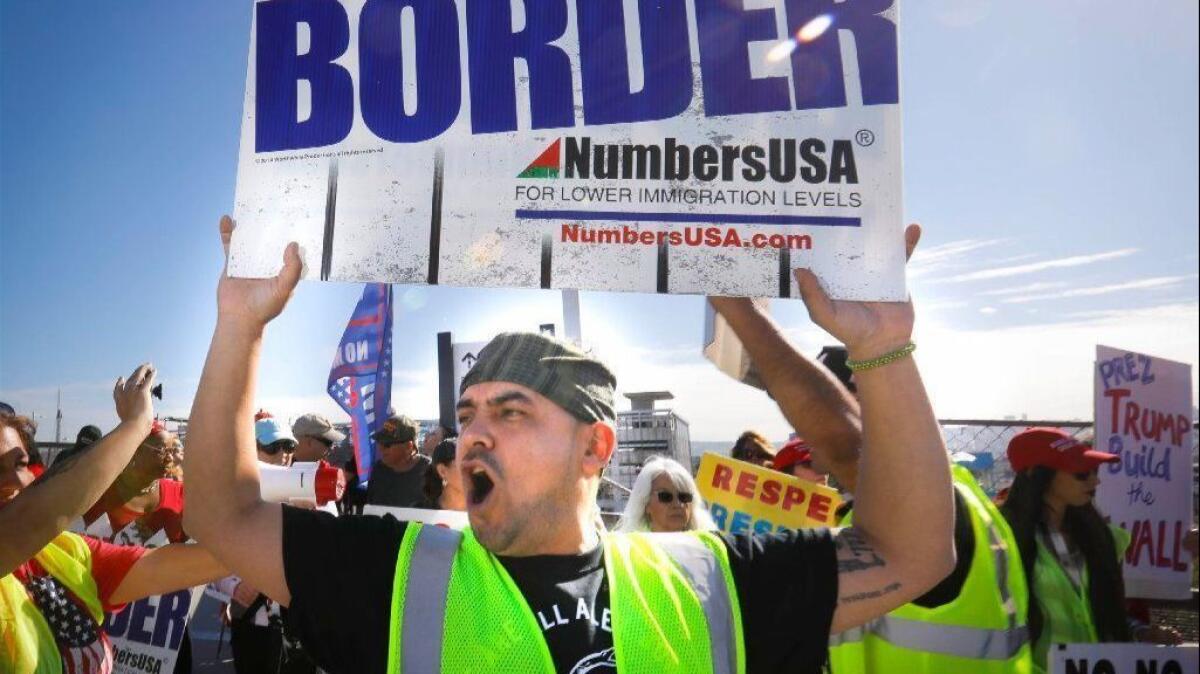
point(795, 451)
point(1054, 448)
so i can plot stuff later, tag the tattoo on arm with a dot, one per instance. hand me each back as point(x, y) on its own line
point(872, 594)
point(854, 553)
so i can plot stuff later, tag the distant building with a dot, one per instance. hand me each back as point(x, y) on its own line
point(642, 432)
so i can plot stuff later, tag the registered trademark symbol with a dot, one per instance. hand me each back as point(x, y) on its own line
point(864, 137)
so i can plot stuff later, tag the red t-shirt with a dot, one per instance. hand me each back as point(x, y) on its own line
point(82, 644)
point(110, 565)
point(167, 516)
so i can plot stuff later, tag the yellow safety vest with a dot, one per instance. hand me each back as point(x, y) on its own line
point(27, 645)
point(455, 609)
point(984, 629)
point(1066, 612)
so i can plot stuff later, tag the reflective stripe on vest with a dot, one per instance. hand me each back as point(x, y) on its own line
point(953, 640)
point(425, 598)
point(704, 574)
point(427, 587)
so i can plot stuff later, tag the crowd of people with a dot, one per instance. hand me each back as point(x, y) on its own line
point(924, 573)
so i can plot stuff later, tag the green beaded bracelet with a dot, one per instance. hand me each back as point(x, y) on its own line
point(860, 365)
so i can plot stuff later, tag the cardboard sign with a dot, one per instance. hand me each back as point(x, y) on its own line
point(146, 634)
point(745, 498)
point(1123, 659)
point(672, 147)
point(1144, 414)
point(723, 348)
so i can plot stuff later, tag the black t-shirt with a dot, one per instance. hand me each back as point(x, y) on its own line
point(340, 570)
point(388, 487)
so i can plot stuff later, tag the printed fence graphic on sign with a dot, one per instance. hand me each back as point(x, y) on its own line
point(623, 158)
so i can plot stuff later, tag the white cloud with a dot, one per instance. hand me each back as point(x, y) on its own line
point(1141, 284)
point(1027, 288)
point(1032, 267)
point(1043, 370)
point(926, 260)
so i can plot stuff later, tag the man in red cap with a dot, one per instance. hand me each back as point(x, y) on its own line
point(795, 458)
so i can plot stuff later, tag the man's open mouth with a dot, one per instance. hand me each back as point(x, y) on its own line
point(480, 485)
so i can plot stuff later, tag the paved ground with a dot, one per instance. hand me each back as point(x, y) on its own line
point(206, 631)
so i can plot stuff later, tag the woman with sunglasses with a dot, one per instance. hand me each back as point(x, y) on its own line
point(664, 499)
point(149, 490)
point(275, 442)
point(1072, 556)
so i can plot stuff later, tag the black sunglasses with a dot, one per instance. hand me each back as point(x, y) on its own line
point(284, 446)
point(668, 496)
point(1084, 475)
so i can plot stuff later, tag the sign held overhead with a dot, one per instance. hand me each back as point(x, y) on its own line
point(677, 146)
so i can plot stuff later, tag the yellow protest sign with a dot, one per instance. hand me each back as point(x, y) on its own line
point(745, 498)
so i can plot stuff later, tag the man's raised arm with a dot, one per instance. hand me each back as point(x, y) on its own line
point(225, 510)
point(901, 543)
point(71, 485)
point(810, 397)
point(813, 401)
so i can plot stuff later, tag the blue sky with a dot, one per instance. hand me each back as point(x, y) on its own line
point(1050, 153)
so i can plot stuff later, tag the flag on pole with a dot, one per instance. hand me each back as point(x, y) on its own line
point(361, 377)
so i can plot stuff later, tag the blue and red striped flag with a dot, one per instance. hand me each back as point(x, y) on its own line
point(361, 377)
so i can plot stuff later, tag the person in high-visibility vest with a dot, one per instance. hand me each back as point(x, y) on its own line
point(975, 618)
point(532, 585)
point(1072, 555)
point(52, 602)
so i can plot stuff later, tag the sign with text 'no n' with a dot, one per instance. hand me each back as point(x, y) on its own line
point(679, 146)
point(1144, 415)
point(1122, 659)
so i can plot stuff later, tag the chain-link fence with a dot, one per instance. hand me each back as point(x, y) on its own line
point(986, 440)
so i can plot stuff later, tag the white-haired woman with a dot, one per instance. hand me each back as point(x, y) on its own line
point(664, 499)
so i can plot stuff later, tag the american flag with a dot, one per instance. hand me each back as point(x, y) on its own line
point(83, 646)
point(361, 377)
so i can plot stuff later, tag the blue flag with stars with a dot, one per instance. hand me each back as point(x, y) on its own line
point(361, 377)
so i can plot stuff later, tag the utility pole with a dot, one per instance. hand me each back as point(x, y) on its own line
point(58, 420)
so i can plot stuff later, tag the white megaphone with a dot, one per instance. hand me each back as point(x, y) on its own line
point(316, 482)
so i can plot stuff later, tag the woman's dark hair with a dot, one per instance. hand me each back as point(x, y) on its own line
point(750, 446)
point(443, 455)
point(1086, 528)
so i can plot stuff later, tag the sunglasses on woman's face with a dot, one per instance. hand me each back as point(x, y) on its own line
point(668, 496)
point(1083, 476)
point(281, 446)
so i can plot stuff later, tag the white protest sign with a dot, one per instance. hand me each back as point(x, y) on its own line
point(453, 519)
point(99, 528)
point(465, 355)
point(1144, 414)
point(723, 348)
point(1122, 659)
point(146, 634)
point(678, 147)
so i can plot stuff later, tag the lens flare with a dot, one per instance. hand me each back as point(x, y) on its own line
point(781, 51)
point(815, 28)
point(810, 31)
